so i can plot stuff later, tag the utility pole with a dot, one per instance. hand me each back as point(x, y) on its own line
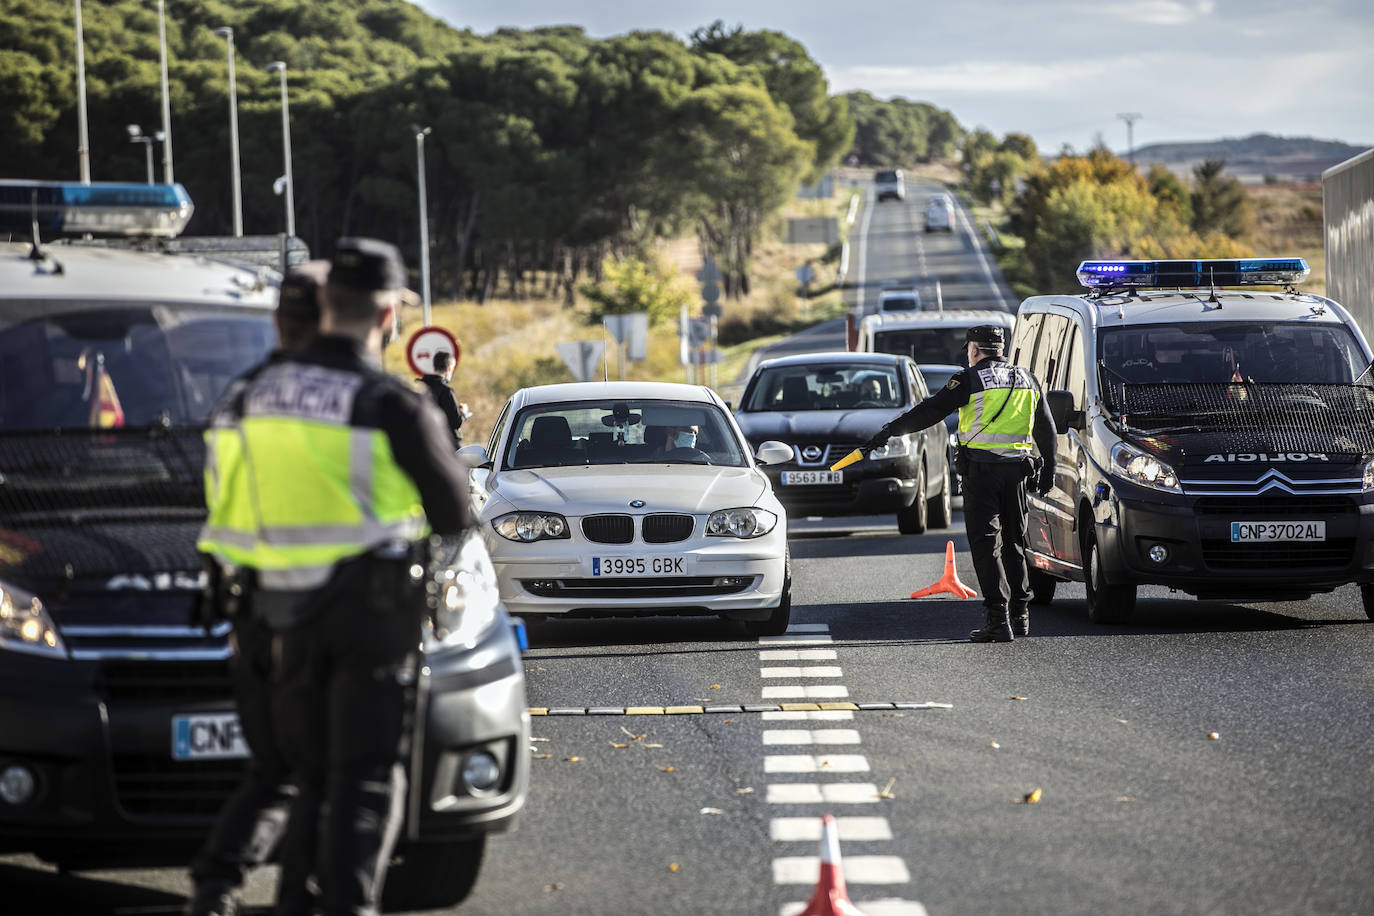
point(1130, 117)
point(166, 103)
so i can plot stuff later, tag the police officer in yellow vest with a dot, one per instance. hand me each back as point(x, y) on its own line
point(324, 475)
point(1003, 421)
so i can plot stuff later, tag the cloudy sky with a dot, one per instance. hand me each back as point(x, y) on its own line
point(1060, 70)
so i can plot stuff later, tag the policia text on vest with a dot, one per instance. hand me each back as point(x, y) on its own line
point(1003, 422)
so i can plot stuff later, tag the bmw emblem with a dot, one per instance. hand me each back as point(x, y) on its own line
point(636, 504)
point(811, 452)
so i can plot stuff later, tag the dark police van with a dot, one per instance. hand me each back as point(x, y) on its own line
point(118, 737)
point(1215, 441)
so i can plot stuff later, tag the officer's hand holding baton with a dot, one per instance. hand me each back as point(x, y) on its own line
point(878, 441)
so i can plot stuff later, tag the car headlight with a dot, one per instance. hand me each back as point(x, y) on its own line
point(469, 601)
point(25, 625)
point(1369, 475)
point(531, 526)
point(896, 447)
point(1142, 468)
point(740, 523)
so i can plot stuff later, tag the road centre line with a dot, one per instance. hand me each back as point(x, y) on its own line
point(800, 639)
point(857, 870)
point(830, 793)
point(813, 710)
point(802, 671)
point(808, 829)
point(816, 763)
point(776, 736)
point(805, 691)
point(798, 655)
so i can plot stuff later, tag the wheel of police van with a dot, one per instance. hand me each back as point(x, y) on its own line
point(1042, 585)
point(913, 519)
point(1106, 603)
point(1367, 597)
point(776, 622)
point(940, 508)
point(433, 876)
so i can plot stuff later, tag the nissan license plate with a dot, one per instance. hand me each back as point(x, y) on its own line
point(795, 478)
point(1246, 532)
point(639, 566)
point(208, 736)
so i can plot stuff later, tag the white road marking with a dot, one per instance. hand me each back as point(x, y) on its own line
point(808, 829)
point(801, 639)
point(815, 763)
point(823, 715)
point(811, 736)
point(805, 692)
point(803, 671)
point(809, 628)
point(857, 870)
point(884, 907)
point(797, 655)
point(831, 793)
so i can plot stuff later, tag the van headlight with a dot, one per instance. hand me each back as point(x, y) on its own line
point(740, 523)
point(25, 625)
point(896, 447)
point(1142, 468)
point(531, 526)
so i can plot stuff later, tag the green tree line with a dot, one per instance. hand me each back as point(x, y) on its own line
point(549, 150)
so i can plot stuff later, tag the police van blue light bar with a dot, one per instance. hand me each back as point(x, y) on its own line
point(100, 208)
point(1193, 274)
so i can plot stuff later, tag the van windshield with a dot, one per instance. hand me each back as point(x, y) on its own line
point(924, 345)
point(1232, 351)
point(66, 365)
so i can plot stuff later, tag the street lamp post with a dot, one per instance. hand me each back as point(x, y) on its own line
point(278, 66)
point(83, 147)
point(166, 134)
point(228, 35)
point(136, 135)
point(420, 134)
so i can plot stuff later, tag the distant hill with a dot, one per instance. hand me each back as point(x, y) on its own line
point(1251, 159)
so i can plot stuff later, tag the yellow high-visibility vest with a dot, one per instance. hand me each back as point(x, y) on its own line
point(1000, 412)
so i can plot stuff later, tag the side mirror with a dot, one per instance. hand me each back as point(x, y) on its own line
point(774, 452)
point(730, 406)
point(1065, 414)
point(473, 456)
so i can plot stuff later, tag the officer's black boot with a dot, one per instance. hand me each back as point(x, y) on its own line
point(997, 629)
point(1020, 621)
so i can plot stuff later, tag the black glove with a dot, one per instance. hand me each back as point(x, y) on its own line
point(1046, 482)
point(878, 441)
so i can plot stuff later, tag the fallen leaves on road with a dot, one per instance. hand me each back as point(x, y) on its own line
point(632, 735)
point(1213, 736)
point(715, 686)
point(667, 769)
point(1122, 721)
point(674, 867)
point(894, 715)
point(541, 756)
point(615, 745)
point(1125, 798)
point(711, 811)
point(887, 789)
point(1018, 698)
point(550, 888)
point(994, 745)
point(1033, 797)
point(745, 790)
point(573, 759)
point(540, 739)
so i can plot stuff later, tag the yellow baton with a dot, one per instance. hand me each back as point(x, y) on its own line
point(847, 460)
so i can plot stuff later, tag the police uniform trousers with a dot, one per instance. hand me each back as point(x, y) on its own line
point(344, 696)
point(252, 820)
point(995, 520)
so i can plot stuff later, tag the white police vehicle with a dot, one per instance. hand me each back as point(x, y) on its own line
point(1215, 441)
point(118, 740)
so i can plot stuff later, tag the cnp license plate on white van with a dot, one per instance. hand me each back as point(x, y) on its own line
point(208, 736)
point(639, 566)
point(1245, 532)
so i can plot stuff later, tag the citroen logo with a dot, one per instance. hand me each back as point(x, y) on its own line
point(636, 504)
point(811, 452)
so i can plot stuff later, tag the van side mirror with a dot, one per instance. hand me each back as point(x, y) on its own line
point(1065, 414)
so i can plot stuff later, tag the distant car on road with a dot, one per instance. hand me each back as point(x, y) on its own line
point(632, 499)
point(889, 183)
point(898, 300)
point(940, 213)
point(824, 405)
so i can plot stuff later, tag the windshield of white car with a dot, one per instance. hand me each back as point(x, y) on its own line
point(825, 387)
point(69, 366)
point(1231, 351)
point(626, 431)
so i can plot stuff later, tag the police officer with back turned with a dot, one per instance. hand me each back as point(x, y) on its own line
point(1003, 419)
point(324, 476)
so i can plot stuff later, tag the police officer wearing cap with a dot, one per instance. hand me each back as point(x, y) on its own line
point(1003, 421)
point(324, 477)
point(252, 821)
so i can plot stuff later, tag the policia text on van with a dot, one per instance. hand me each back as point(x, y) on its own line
point(1216, 442)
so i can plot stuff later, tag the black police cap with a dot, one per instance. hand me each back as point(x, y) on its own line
point(299, 296)
point(367, 265)
point(987, 335)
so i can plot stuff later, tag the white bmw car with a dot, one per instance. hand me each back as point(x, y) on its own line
point(631, 498)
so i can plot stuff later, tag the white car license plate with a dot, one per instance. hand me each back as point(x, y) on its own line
point(208, 736)
point(1277, 531)
point(795, 478)
point(639, 566)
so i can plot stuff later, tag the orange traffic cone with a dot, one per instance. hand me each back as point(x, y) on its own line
point(830, 898)
point(949, 582)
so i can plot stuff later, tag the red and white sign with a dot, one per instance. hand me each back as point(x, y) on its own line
point(427, 341)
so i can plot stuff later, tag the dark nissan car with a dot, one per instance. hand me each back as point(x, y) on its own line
point(825, 405)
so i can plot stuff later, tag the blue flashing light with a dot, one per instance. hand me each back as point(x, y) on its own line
point(102, 208)
point(1193, 274)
